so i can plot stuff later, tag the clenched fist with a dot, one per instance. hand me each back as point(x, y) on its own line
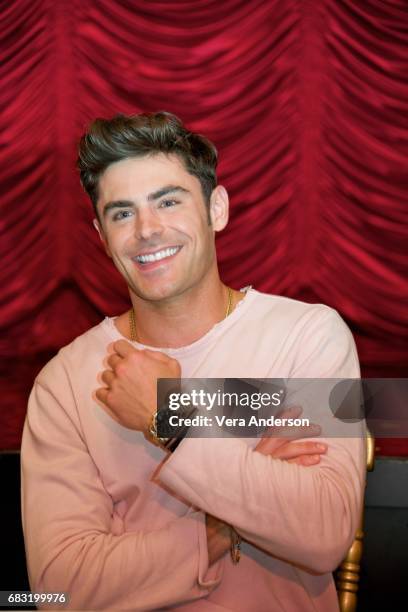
point(130, 395)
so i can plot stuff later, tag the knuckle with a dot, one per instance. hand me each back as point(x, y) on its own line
point(120, 369)
point(132, 357)
point(111, 361)
point(105, 379)
point(174, 366)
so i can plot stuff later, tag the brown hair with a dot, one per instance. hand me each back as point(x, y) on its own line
point(111, 140)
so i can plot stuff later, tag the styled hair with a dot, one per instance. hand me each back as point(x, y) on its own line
point(125, 136)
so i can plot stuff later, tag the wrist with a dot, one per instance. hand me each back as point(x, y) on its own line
point(218, 538)
point(162, 434)
point(235, 549)
point(152, 432)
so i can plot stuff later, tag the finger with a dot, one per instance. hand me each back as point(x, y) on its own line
point(290, 412)
point(287, 433)
point(306, 460)
point(271, 445)
point(113, 360)
point(287, 448)
point(102, 395)
point(296, 449)
point(108, 377)
point(124, 348)
point(268, 445)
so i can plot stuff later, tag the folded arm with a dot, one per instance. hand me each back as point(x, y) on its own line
point(304, 516)
point(69, 526)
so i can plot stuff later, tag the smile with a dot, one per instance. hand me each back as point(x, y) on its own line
point(151, 257)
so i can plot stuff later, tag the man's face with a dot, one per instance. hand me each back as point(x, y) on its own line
point(154, 224)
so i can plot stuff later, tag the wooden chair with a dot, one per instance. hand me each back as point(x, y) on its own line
point(348, 573)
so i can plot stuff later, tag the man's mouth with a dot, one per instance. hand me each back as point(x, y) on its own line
point(158, 255)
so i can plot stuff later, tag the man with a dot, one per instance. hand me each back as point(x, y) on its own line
point(113, 517)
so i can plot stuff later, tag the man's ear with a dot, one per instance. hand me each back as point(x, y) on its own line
point(219, 208)
point(101, 235)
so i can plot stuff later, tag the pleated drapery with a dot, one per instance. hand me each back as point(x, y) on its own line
point(307, 103)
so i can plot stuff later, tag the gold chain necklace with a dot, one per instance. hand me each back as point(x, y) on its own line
point(132, 318)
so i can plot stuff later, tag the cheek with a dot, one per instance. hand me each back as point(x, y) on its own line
point(196, 228)
point(120, 240)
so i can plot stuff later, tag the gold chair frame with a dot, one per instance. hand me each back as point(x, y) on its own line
point(348, 573)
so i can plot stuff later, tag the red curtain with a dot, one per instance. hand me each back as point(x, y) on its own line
point(307, 103)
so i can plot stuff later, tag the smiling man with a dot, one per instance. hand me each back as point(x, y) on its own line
point(122, 519)
point(156, 226)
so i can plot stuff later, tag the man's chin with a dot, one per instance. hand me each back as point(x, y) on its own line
point(155, 294)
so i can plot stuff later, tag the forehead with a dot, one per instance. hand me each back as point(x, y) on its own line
point(136, 177)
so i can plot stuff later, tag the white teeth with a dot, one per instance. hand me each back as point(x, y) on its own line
point(157, 256)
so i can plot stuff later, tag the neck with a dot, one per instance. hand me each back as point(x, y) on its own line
point(180, 320)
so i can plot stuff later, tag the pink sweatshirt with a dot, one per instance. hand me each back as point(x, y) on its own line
point(118, 524)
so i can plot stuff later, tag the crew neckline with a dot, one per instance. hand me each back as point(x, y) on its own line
point(240, 308)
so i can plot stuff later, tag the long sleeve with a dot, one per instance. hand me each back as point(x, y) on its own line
point(72, 543)
point(306, 516)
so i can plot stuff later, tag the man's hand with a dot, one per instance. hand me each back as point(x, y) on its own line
point(218, 538)
point(130, 395)
point(278, 446)
point(284, 443)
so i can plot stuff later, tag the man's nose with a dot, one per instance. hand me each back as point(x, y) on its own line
point(148, 224)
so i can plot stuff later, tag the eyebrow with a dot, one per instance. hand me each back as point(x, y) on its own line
point(117, 204)
point(165, 191)
point(155, 195)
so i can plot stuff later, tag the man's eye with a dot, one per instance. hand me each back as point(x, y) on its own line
point(167, 203)
point(121, 214)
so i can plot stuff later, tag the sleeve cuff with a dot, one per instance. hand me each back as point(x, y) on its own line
point(208, 577)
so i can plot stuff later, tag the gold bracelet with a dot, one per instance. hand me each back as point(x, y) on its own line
point(235, 549)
